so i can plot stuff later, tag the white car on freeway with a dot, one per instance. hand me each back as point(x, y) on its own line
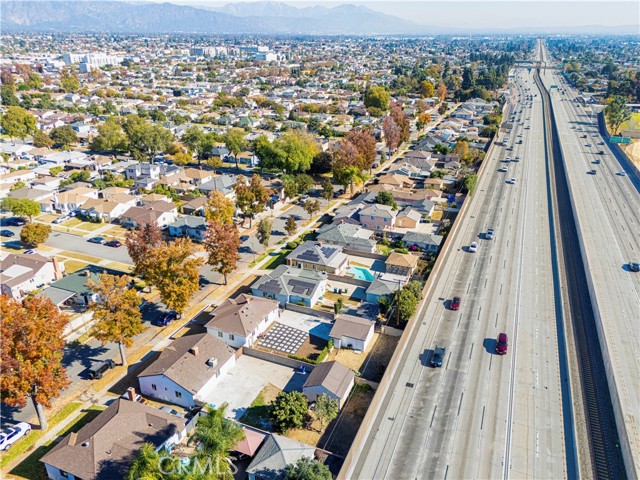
point(12, 434)
point(473, 247)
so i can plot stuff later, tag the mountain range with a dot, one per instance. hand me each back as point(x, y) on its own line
point(261, 17)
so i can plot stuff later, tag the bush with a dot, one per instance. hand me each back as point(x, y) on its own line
point(289, 410)
point(292, 245)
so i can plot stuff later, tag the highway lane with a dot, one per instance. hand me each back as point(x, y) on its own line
point(457, 421)
point(607, 209)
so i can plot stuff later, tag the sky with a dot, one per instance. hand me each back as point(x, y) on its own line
point(488, 14)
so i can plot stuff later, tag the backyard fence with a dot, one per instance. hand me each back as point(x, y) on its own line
point(277, 359)
point(349, 280)
point(310, 311)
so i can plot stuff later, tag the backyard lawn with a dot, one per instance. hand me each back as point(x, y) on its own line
point(257, 415)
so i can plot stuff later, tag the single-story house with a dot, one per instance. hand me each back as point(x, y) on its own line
point(189, 226)
point(187, 370)
point(384, 286)
point(23, 273)
point(426, 241)
point(104, 447)
point(401, 263)
point(347, 235)
point(105, 209)
point(276, 452)
point(135, 217)
point(288, 284)
point(221, 183)
point(313, 255)
point(195, 206)
point(239, 321)
point(329, 378)
point(352, 332)
point(73, 288)
point(408, 218)
point(70, 200)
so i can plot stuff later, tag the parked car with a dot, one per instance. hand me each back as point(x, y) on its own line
point(438, 357)
point(13, 222)
point(98, 240)
point(455, 303)
point(501, 345)
point(12, 434)
point(166, 318)
point(113, 243)
point(61, 219)
point(473, 248)
point(97, 370)
point(6, 233)
point(31, 251)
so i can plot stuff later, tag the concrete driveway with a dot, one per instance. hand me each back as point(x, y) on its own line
point(247, 378)
point(315, 325)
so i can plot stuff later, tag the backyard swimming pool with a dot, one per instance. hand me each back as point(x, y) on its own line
point(362, 273)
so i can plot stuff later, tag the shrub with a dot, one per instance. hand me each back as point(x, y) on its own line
point(292, 245)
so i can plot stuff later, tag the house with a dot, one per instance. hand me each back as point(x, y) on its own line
point(161, 213)
point(43, 197)
point(22, 274)
point(408, 218)
point(70, 200)
point(195, 206)
point(189, 226)
point(425, 241)
point(347, 235)
point(104, 447)
point(377, 217)
point(329, 378)
point(287, 284)
point(352, 332)
point(105, 209)
point(11, 178)
point(239, 321)
point(248, 158)
point(221, 183)
point(276, 452)
point(198, 177)
point(401, 263)
point(384, 286)
point(73, 288)
point(313, 255)
point(396, 180)
point(187, 370)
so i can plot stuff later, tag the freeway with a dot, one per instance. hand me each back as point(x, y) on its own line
point(608, 219)
point(481, 415)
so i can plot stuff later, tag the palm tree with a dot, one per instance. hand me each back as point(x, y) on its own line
point(146, 465)
point(218, 436)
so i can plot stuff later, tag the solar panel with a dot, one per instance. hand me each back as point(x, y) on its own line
point(309, 255)
point(272, 286)
point(301, 287)
point(328, 251)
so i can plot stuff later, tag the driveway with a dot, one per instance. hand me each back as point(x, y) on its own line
point(315, 325)
point(247, 378)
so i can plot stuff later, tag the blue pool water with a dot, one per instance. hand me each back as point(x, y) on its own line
point(361, 273)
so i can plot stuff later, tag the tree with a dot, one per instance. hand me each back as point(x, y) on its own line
point(182, 158)
point(219, 208)
point(31, 353)
point(423, 120)
point(69, 81)
point(288, 410)
point(173, 270)
point(442, 91)
point(376, 97)
point(441, 149)
point(218, 436)
point(150, 465)
point(289, 186)
point(346, 169)
point(307, 469)
point(470, 183)
point(365, 144)
point(33, 234)
point(617, 112)
point(110, 137)
point(295, 150)
point(201, 143)
point(236, 142)
point(311, 206)
point(222, 242)
point(290, 225)
point(64, 136)
point(461, 148)
point(391, 134)
point(305, 183)
point(321, 163)
point(326, 409)
point(427, 89)
point(264, 232)
point(42, 140)
point(407, 304)
point(140, 243)
point(327, 190)
point(8, 94)
point(415, 287)
point(117, 312)
point(251, 198)
point(468, 80)
point(21, 207)
point(18, 123)
point(386, 198)
point(402, 120)
point(17, 186)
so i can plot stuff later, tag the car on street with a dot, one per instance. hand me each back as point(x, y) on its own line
point(588, 145)
point(98, 240)
point(438, 357)
point(473, 247)
point(31, 251)
point(502, 344)
point(455, 303)
point(6, 233)
point(96, 371)
point(166, 318)
point(12, 434)
point(113, 243)
point(634, 266)
point(503, 169)
point(516, 159)
point(592, 172)
point(489, 234)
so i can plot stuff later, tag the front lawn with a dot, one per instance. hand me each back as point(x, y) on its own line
point(277, 259)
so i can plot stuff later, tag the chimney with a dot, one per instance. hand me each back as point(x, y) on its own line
point(131, 394)
point(73, 436)
point(194, 351)
point(57, 271)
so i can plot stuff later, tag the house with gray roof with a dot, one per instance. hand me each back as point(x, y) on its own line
point(187, 370)
point(352, 332)
point(426, 241)
point(221, 183)
point(274, 455)
point(288, 284)
point(73, 288)
point(189, 226)
point(329, 378)
point(314, 255)
point(103, 448)
point(347, 235)
point(377, 217)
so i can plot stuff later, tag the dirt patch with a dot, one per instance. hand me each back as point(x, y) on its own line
point(341, 432)
point(257, 415)
point(372, 362)
point(312, 347)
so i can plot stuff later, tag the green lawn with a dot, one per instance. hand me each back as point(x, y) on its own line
point(30, 467)
point(30, 440)
point(257, 415)
point(278, 259)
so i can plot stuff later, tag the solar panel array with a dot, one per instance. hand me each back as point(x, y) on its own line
point(301, 287)
point(309, 256)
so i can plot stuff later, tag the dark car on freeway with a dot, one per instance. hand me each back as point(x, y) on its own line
point(98, 240)
point(438, 357)
point(634, 266)
point(455, 303)
point(113, 243)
